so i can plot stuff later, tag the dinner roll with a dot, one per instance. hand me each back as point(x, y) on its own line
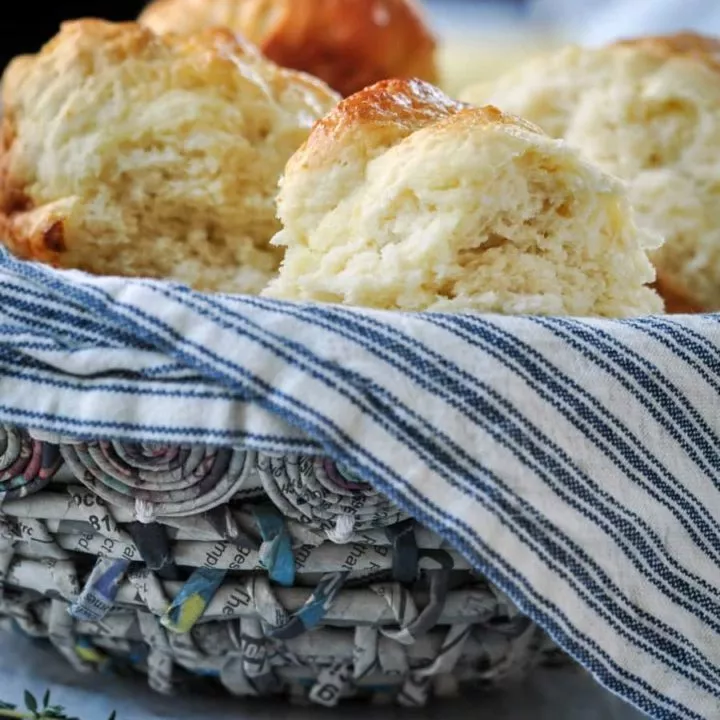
point(648, 111)
point(348, 43)
point(404, 199)
point(128, 153)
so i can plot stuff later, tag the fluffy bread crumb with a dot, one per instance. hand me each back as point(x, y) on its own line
point(127, 153)
point(404, 199)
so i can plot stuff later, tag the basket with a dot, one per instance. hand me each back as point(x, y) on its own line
point(265, 575)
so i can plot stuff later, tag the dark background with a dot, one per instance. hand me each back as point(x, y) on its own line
point(30, 24)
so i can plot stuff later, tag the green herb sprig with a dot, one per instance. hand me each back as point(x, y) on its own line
point(35, 710)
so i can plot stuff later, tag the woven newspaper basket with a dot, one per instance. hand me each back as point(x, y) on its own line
point(263, 574)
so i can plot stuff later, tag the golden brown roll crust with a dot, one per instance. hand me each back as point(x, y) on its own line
point(647, 110)
point(373, 119)
point(676, 301)
point(350, 44)
point(128, 153)
point(403, 199)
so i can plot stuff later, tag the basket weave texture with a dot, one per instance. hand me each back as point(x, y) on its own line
point(268, 575)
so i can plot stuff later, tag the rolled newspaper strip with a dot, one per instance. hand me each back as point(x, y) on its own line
point(26, 465)
point(359, 561)
point(251, 597)
point(318, 492)
point(160, 480)
point(191, 602)
point(97, 597)
point(52, 507)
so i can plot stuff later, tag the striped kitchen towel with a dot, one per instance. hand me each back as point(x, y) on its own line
point(574, 462)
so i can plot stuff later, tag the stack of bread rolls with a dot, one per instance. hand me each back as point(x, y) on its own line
point(302, 150)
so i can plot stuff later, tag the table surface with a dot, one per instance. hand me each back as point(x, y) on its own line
point(548, 695)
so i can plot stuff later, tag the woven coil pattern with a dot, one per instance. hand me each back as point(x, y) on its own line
point(267, 575)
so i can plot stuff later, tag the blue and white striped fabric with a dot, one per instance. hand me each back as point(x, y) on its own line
point(576, 463)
